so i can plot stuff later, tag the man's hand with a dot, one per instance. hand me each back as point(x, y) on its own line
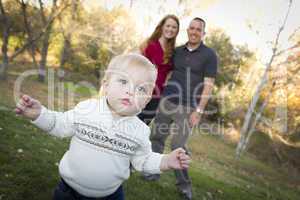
point(177, 159)
point(28, 107)
point(195, 118)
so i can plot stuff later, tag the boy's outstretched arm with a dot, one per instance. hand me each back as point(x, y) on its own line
point(55, 123)
point(177, 159)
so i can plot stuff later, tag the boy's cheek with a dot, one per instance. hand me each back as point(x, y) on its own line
point(141, 102)
point(148, 98)
point(146, 101)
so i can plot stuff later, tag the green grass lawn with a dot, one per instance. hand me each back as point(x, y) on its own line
point(29, 169)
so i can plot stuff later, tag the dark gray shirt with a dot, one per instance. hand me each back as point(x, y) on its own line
point(190, 67)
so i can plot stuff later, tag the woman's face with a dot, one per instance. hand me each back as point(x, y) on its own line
point(170, 29)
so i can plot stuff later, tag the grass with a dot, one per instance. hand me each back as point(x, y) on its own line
point(29, 163)
point(29, 169)
point(28, 159)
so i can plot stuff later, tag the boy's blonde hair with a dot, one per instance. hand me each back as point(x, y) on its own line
point(122, 62)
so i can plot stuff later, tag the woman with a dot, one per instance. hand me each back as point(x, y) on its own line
point(158, 48)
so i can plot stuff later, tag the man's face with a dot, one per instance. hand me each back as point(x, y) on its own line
point(195, 32)
point(129, 91)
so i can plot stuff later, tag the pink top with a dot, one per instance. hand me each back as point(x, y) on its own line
point(155, 53)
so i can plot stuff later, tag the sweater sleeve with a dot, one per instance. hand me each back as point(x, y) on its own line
point(59, 124)
point(145, 160)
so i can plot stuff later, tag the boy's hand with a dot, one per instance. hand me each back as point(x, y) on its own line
point(28, 107)
point(195, 118)
point(177, 159)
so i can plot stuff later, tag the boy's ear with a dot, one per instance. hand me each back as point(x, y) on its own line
point(103, 88)
point(103, 83)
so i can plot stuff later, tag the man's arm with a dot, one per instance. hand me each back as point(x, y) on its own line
point(206, 94)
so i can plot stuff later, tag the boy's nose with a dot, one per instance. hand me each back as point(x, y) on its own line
point(130, 91)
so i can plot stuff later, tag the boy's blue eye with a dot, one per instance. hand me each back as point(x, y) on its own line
point(142, 89)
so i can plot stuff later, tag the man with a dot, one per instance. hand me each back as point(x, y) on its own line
point(185, 97)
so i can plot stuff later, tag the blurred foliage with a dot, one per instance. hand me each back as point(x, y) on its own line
point(16, 22)
point(231, 57)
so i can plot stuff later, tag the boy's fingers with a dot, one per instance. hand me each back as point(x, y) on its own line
point(185, 161)
point(29, 103)
point(184, 166)
point(24, 103)
point(20, 106)
point(180, 151)
point(184, 156)
point(28, 100)
point(18, 111)
point(33, 102)
point(25, 97)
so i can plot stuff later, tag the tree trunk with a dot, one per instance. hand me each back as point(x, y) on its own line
point(4, 65)
point(4, 49)
point(64, 55)
point(45, 42)
point(29, 33)
point(67, 46)
point(44, 53)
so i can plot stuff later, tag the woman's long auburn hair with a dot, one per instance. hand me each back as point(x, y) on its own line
point(157, 34)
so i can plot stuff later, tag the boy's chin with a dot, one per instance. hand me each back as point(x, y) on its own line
point(128, 113)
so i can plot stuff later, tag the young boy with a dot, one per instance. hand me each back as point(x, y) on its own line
point(106, 134)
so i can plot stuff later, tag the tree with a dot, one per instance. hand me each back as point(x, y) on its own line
point(9, 19)
point(45, 38)
point(68, 24)
point(30, 25)
point(12, 24)
point(107, 34)
point(250, 121)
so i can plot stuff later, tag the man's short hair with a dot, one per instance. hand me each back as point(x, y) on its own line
point(201, 20)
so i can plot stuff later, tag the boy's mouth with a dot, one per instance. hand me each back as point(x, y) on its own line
point(126, 102)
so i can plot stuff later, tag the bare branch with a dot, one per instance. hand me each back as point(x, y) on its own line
point(3, 16)
point(50, 21)
point(294, 33)
point(288, 49)
point(282, 27)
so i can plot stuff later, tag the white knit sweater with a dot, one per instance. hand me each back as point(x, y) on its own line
point(101, 147)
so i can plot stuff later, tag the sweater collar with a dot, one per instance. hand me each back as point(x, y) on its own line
point(107, 110)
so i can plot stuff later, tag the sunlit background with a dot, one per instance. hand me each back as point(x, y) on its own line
point(251, 22)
